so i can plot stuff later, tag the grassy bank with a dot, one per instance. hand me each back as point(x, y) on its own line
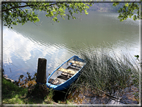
point(34, 94)
point(13, 94)
point(103, 74)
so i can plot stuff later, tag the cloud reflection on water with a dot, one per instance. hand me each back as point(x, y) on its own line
point(21, 54)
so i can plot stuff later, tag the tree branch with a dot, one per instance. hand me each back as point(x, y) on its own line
point(16, 7)
point(24, 6)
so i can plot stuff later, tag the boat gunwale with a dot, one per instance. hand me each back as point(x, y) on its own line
point(49, 84)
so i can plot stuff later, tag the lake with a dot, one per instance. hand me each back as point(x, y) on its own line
point(24, 44)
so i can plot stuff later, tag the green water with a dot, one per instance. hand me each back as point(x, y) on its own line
point(23, 45)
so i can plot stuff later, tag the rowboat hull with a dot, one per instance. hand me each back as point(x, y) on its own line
point(65, 74)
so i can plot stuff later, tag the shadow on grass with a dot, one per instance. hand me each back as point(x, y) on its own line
point(36, 94)
point(12, 94)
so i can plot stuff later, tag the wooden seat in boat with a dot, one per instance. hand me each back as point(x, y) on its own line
point(76, 68)
point(67, 70)
point(77, 63)
point(56, 81)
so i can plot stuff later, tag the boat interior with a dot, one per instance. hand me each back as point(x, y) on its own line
point(65, 72)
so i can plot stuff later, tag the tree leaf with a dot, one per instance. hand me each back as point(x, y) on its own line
point(85, 11)
point(126, 4)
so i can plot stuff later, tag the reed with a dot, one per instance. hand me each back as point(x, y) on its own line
point(107, 72)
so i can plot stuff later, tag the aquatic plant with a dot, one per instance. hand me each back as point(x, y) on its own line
point(107, 72)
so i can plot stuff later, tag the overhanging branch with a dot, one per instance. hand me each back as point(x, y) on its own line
point(16, 7)
point(25, 6)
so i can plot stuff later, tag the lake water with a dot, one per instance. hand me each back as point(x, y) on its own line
point(23, 45)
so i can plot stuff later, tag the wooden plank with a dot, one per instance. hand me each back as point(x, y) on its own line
point(67, 70)
point(77, 62)
point(41, 71)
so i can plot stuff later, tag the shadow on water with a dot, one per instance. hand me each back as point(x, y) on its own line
point(69, 93)
point(60, 95)
point(64, 95)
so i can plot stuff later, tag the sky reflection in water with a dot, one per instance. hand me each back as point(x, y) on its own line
point(22, 50)
point(21, 54)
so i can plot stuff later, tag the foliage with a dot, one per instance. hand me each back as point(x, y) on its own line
point(22, 12)
point(128, 10)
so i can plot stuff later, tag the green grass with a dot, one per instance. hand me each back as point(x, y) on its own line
point(12, 94)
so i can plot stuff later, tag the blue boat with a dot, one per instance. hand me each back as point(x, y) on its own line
point(65, 74)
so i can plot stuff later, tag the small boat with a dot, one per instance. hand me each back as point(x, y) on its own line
point(65, 74)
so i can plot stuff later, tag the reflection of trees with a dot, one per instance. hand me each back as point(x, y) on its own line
point(105, 7)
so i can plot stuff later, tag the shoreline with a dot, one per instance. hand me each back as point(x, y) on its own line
point(127, 98)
